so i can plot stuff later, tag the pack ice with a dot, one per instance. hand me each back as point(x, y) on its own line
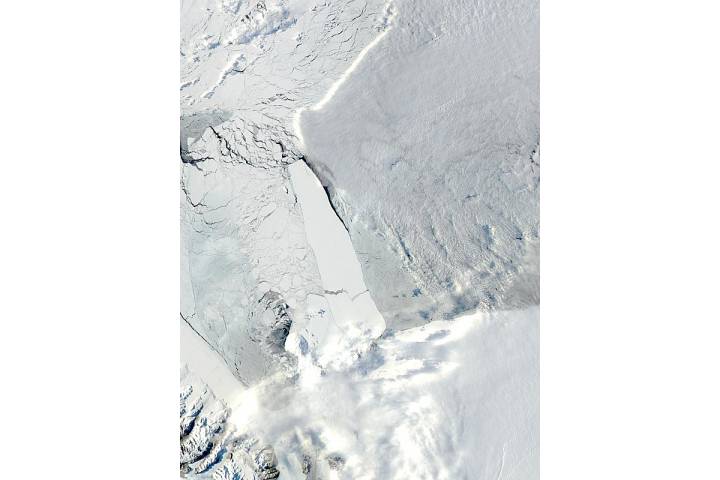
point(359, 229)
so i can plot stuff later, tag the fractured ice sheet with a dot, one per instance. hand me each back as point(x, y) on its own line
point(246, 262)
point(420, 119)
point(270, 56)
point(246, 70)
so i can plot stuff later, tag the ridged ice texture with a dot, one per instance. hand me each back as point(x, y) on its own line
point(430, 152)
point(210, 448)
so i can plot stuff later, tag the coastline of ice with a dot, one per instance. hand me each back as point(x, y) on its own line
point(442, 394)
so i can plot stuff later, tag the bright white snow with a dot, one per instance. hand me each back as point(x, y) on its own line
point(447, 400)
point(350, 319)
point(420, 118)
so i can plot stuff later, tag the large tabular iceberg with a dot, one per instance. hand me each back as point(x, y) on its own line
point(359, 215)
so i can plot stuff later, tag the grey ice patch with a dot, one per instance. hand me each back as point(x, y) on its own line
point(435, 171)
point(195, 124)
point(335, 462)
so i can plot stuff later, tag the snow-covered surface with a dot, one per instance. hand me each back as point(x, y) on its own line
point(245, 251)
point(345, 320)
point(204, 362)
point(210, 446)
point(384, 326)
point(430, 153)
point(448, 400)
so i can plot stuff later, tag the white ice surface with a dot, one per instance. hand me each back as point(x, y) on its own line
point(353, 320)
point(204, 362)
point(451, 399)
point(246, 70)
point(447, 400)
point(429, 149)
